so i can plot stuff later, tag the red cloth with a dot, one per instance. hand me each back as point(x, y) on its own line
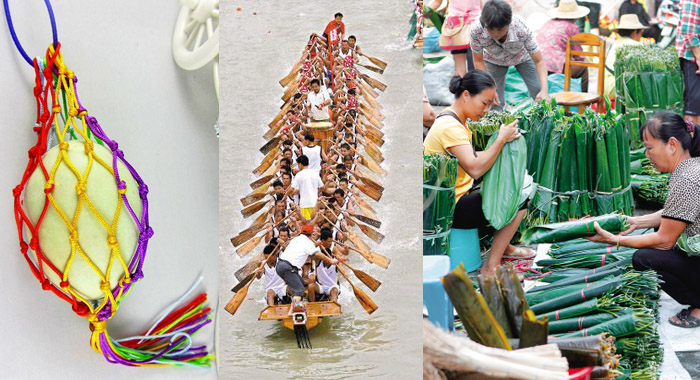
point(334, 30)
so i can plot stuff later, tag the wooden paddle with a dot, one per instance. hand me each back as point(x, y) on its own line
point(368, 181)
point(376, 236)
point(365, 219)
point(367, 89)
point(366, 208)
point(373, 152)
point(369, 281)
point(253, 264)
point(357, 241)
point(362, 218)
point(256, 195)
point(372, 166)
point(251, 231)
point(374, 135)
point(371, 68)
point(267, 162)
point(373, 138)
point(374, 60)
point(292, 73)
point(373, 82)
point(369, 191)
point(272, 131)
point(270, 145)
point(285, 107)
point(371, 233)
point(261, 181)
point(362, 297)
point(249, 267)
point(249, 246)
point(372, 111)
point(376, 123)
point(254, 228)
point(372, 257)
point(373, 106)
point(365, 278)
point(254, 208)
point(235, 302)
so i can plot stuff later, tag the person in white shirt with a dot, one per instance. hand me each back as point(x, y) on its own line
point(275, 288)
point(345, 50)
point(318, 102)
point(306, 184)
point(293, 258)
point(327, 275)
point(314, 152)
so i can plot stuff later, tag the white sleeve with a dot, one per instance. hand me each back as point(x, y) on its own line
point(320, 182)
point(295, 182)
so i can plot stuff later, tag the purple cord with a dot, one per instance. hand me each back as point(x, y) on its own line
point(145, 230)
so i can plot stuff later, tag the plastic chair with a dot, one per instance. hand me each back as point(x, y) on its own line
point(440, 310)
point(464, 248)
point(582, 99)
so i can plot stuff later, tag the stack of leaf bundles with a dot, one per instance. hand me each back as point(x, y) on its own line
point(581, 163)
point(439, 178)
point(647, 79)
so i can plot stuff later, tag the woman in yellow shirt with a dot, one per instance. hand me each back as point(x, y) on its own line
point(450, 134)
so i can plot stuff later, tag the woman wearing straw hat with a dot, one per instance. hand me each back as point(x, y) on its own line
point(553, 35)
point(630, 31)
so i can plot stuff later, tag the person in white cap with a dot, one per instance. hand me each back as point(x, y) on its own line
point(553, 35)
point(630, 31)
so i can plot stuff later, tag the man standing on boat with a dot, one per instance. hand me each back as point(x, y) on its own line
point(318, 102)
point(293, 258)
point(335, 30)
point(306, 183)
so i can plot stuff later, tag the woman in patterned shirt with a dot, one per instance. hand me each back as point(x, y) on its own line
point(672, 146)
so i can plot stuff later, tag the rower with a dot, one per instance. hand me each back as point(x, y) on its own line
point(343, 203)
point(318, 102)
point(278, 189)
point(352, 42)
point(293, 258)
point(307, 185)
point(275, 288)
point(314, 152)
point(345, 50)
point(286, 181)
point(326, 275)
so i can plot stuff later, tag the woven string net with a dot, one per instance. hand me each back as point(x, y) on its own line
point(82, 218)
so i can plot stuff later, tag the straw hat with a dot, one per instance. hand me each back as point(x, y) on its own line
point(568, 9)
point(630, 21)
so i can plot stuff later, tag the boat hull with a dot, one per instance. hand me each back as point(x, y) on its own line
point(315, 311)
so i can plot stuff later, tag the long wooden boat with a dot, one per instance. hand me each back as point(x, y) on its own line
point(356, 117)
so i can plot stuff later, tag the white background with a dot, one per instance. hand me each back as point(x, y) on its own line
point(163, 119)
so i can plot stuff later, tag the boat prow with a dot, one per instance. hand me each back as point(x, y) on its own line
point(315, 311)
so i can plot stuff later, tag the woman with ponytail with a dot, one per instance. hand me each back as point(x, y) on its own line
point(673, 146)
point(475, 92)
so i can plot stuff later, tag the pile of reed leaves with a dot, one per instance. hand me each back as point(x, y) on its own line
point(581, 163)
point(647, 79)
point(439, 178)
point(611, 298)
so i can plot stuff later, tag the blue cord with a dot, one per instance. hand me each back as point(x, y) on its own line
point(14, 34)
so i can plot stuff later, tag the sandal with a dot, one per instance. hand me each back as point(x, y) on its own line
point(686, 320)
point(521, 253)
